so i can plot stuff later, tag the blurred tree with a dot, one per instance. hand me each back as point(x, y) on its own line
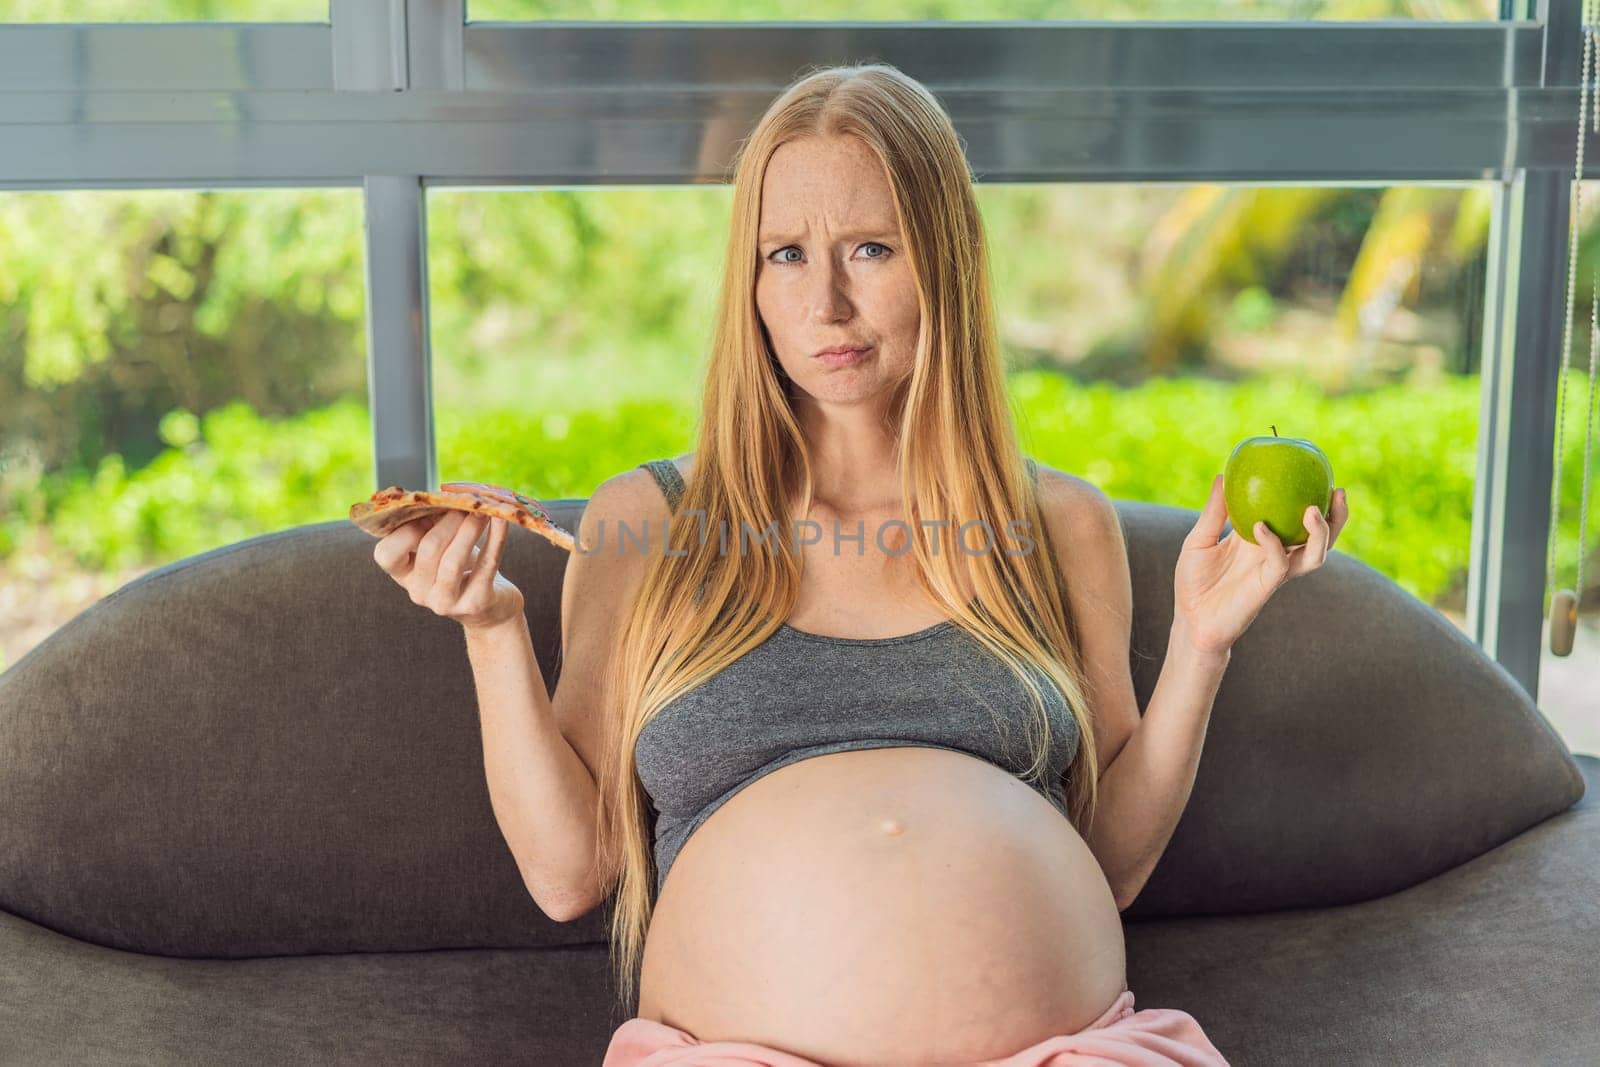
point(116, 308)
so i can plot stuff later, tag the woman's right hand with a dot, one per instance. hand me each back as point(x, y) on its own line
point(436, 560)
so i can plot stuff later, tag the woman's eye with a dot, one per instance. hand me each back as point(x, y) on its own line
point(869, 244)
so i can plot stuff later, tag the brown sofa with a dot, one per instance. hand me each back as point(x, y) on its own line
point(245, 820)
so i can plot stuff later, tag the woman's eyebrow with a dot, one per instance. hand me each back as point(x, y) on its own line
point(880, 231)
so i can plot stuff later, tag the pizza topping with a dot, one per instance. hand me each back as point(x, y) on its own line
point(385, 509)
point(492, 492)
point(508, 496)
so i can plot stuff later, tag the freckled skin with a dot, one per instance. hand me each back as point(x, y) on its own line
point(813, 913)
point(833, 268)
point(897, 904)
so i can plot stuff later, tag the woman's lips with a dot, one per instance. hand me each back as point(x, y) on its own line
point(841, 359)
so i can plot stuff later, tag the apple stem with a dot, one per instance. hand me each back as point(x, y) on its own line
point(1274, 429)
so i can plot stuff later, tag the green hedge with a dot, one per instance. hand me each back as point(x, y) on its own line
point(1404, 455)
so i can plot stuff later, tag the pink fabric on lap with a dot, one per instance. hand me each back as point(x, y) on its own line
point(1122, 1037)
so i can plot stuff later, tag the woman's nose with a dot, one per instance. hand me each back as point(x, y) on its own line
point(829, 295)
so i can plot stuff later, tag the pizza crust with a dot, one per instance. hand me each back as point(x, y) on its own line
point(388, 509)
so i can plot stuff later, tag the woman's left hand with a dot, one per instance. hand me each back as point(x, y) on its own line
point(1220, 586)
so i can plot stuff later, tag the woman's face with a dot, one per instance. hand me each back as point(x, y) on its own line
point(833, 270)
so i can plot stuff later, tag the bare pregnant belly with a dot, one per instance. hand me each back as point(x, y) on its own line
point(888, 905)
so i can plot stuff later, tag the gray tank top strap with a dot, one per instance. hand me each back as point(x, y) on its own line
point(668, 478)
point(1033, 468)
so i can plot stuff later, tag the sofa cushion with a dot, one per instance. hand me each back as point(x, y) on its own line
point(1493, 962)
point(66, 1002)
point(265, 749)
point(206, 763)
point(1359, 743)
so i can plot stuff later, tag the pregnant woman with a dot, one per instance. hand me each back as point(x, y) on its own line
point(859, 756)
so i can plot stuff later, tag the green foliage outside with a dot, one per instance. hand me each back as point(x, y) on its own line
point(1406, 458)
point(183, 370)
point(116, 308)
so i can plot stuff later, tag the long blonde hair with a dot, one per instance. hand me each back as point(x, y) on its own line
point(702, 606)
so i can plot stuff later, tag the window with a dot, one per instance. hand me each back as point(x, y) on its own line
point(182, 370)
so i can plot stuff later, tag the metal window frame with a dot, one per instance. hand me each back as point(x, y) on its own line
point(400, 95)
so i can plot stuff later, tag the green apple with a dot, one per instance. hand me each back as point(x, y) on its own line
point(1273, 480)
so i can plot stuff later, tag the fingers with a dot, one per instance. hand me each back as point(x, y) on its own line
point(1269, 543)
point(1338, 515)
point(458, 553)
point(1311, 553)
point(1324, 531)
point(1316, 546)
point(1208, 528)
point(430, 561)
point(487, 564)
point(394, 549)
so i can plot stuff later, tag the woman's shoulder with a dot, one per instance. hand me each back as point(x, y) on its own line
point(669, 474)
point(684, 465)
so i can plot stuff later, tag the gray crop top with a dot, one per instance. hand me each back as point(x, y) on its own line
point(799, 694)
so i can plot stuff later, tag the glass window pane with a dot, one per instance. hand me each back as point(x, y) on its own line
point(983, 10)
point(1568, 693)
point(165, 11)
point(569, 329)
point(182, 370)
point(1153, 328)
point(1147, 329)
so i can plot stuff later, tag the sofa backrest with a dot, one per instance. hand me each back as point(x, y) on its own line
point(267, 749)
point(1359, 743)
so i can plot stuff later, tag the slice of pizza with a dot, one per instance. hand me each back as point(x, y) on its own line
point(390, 508)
